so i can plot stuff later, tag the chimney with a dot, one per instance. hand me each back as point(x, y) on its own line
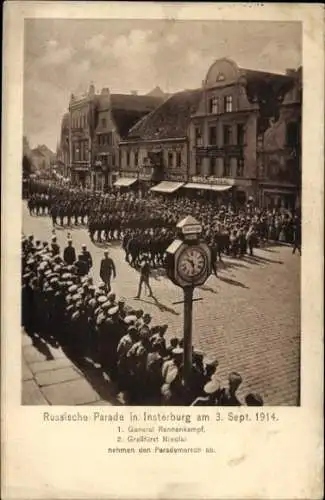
point(134, 92)
point(91, 90)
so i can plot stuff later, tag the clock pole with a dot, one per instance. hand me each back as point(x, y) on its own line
point(187, 363)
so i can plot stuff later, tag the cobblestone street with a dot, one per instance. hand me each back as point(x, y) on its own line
point(249, 318)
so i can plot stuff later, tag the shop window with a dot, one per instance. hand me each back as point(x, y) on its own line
point(240, 167)
point(226, 135)
point(198, 136)
point(170, 159)
point(214, 105)
point(226, 167)
point(228, 103)
point(240, 134)
point(212, 136)
point(178, 159)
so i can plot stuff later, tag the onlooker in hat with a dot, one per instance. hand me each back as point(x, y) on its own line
point(107, 270)
point(211, 389)
point(55, 248)
point(227, 395)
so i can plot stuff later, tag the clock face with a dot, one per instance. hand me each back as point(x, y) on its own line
point(192, 263)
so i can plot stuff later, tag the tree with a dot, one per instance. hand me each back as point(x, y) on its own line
point(27, 167)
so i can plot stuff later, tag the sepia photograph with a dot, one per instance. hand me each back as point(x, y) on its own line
point(161, 212)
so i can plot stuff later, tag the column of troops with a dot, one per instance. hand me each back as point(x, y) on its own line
point(61, 305)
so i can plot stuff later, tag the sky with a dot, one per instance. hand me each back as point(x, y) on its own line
point(65, 56)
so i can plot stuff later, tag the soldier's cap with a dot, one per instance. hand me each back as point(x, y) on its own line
point(132, 330)
point(102, 299)
point(66, 276)
point(48, 273)
point(54, 281)
point(106, 305)
point(27, 275)
point(83, 245)
point(92, 287)
point(171, 374)
point(212, 386)
point(254, 399)
point(130, 319)
point(30, 262)
point(198, 354)
point(75, 297)
point(177, 351)
point(112, 310)
point(111, 296)
point(75, 315)
point(101, 285)
point(235, 378)
point(84, 279)
point(121, 301)
point(73, 288)
point(210, 362)
point(97, 293)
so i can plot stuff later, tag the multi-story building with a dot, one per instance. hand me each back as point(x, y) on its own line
point(234, 111)
point(63, 149)
point(279, 151)
point(97, 123)
point(156, 148)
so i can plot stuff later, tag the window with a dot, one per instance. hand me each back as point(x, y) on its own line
point(198, 163)
point(226, 167)
point(292, 134)
point(103, 122)
point(214, 105)
point(136, 158)
point(127, 158)
point(228, 103)
point(213, 166)
point(170, 159)
point(213, 136)
point(226, 135)
point(240, 134)
point(178, 159)
point(198, 136)
point(240, 167)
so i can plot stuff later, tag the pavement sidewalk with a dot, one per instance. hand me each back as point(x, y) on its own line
point(49, 377)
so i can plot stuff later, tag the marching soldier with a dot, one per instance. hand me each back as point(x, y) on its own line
point(107, 270)
point(69, 254)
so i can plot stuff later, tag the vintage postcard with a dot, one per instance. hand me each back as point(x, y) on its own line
point(162, 250)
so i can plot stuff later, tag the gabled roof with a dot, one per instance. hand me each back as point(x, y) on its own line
point(127, 109)
point(170, 119)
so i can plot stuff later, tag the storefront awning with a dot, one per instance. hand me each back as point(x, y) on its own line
point(208, 187)
point(125, 181)
point(167, 187)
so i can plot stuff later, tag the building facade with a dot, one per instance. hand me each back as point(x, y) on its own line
point(97, 124)
point(279, 152)
point(235, 110)
point(155, 153)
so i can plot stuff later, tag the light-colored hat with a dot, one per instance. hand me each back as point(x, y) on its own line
point(212, 386)
point(112, 311)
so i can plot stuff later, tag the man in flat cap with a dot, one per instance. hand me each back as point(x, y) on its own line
point(107, 270)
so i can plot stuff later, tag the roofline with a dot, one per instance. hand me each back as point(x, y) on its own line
point(168, 139)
